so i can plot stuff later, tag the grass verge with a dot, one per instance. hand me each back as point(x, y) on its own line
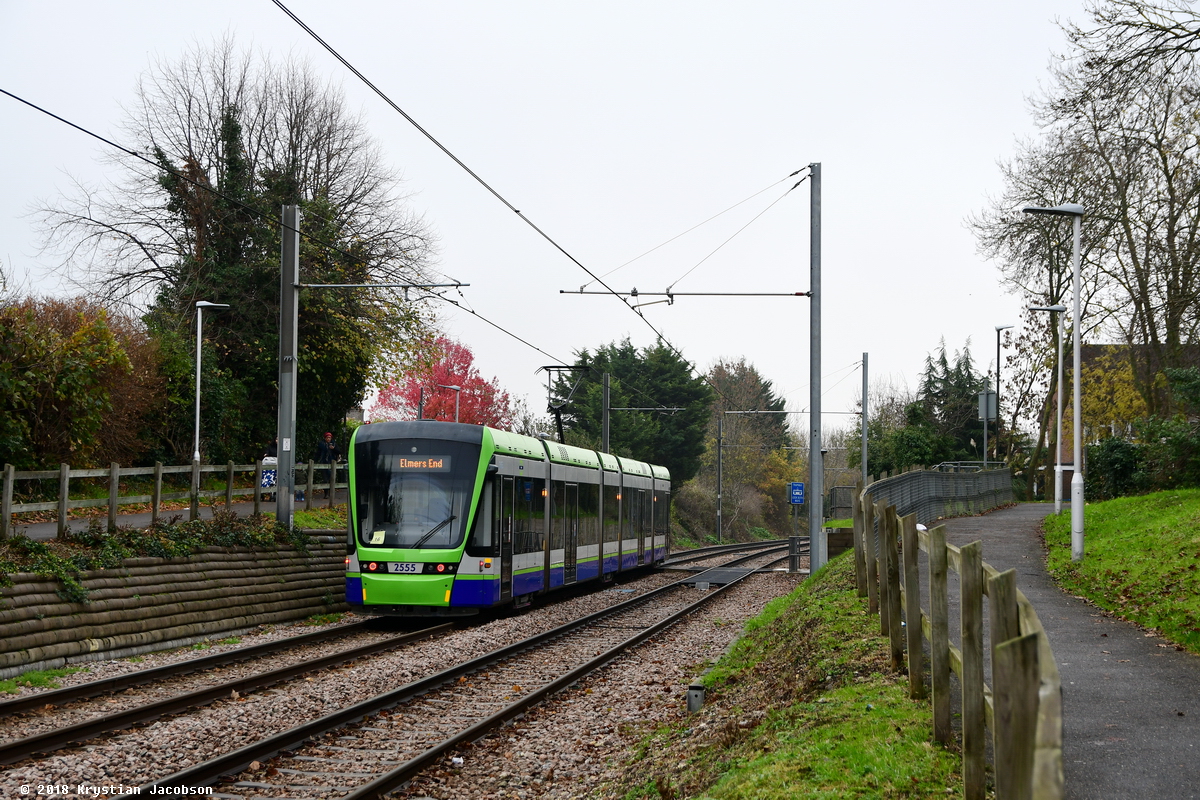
point(802, 706)
point(326, 518)
point(42, 679)
point(1142, 561)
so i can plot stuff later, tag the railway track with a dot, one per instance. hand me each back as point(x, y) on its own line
point(289, 740)
point(373, 747)
point(120, 683)
point(704, 553)
point(141, 714)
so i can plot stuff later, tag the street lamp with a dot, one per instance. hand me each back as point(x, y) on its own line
point(1058, 309)
point(998, 329)
point(200, 306)
point(1075, 212)
point(457, 391)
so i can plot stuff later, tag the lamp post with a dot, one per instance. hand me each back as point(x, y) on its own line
point(1059, 309)
point(998, 329)
point(1075, 212)
point(200, 306)
point(457, 391)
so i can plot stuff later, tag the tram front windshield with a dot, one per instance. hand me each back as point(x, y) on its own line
point(414, 493)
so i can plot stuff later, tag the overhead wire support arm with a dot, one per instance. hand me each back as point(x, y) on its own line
point(636, 293)
point(381, 285)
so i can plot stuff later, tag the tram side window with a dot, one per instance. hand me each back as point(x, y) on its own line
point(611, 510)
point(632, 511)
point(482, 541)
point(589, 513)
point(559, 514)
point(529, 515)
point(662, 512)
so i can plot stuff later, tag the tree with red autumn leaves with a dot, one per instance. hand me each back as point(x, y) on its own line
point(445, 363)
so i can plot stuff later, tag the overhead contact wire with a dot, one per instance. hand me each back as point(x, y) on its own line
point(735, 233)
point(259, 214)
point(694, 227)
point(333, 52)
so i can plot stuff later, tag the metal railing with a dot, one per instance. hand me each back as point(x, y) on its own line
point(931, 495)
point(307, 479)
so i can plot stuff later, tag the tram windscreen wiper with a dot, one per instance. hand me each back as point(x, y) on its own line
point(434, 530)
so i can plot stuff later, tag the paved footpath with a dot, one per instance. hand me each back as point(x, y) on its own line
point(1131, 701)
point(49, 530)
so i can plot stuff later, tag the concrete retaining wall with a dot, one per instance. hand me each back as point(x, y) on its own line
point(151, 604)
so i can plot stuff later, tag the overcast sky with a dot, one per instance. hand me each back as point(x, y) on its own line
point(614, 127)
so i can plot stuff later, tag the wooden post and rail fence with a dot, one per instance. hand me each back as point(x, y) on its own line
point(1023, 706)
point(307, 479)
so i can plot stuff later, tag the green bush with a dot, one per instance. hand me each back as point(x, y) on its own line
point(1114, 469)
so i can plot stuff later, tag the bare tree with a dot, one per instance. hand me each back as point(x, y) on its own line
point(1128, 39)
point(295, 130)
point(217, 142)
point(1121, 137)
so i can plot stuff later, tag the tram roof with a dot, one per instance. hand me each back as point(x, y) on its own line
point(516, 444)
point(567, 454)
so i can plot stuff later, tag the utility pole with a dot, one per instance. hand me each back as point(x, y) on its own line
point(864, 424)
point(818, 551)
point(604, 425)
point(289, 304)
point(720, 436)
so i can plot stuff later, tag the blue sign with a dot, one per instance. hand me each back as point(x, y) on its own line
point(797, 494)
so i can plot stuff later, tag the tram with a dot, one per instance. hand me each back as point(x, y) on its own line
point(448, 519)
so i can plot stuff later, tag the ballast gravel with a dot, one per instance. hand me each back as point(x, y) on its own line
point(575, 744)
point(135, 757)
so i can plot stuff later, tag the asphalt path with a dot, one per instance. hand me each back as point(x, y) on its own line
point(1131, 701)
point(49, 530)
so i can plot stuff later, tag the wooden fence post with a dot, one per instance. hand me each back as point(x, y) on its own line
point(939, 641)
point(308, 495)
point(881, 565)
point(195, 490)
point(912, 609)
point(6, 502)
point(114, 491)
point(971, 607)
point(869, 517)
point(64, 495)
point(333, 471)
point(1012, 706)
point(860, 560)
point(1015, 694)
point(229, 487)
point(891, 549)
point(156, 495)
point(1002, 608)
point(258, 487)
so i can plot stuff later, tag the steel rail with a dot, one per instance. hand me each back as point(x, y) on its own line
point(122, 682)
point(405, 772)
point(58, 738)
point(231, 763)
point(685, 556)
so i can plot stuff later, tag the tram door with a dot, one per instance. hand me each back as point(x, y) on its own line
point(506, 537)
point(639, 511)
point(571, 533)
